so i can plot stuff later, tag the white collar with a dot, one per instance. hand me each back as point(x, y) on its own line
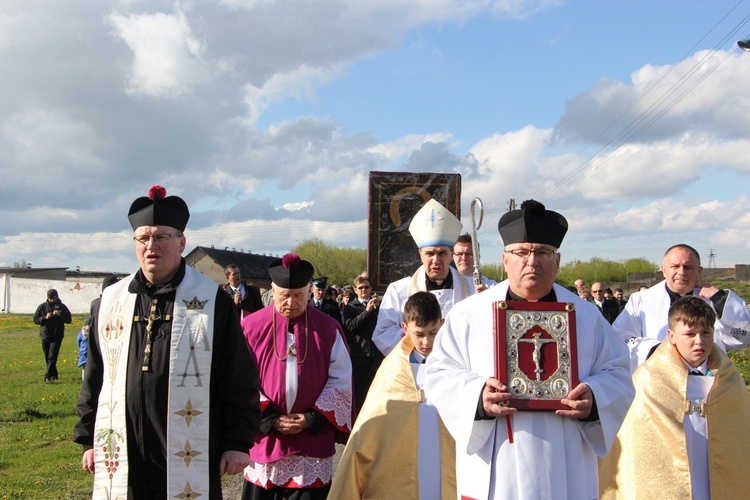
point(703, 368)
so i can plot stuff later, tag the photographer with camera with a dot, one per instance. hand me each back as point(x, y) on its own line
point(360, 318)
point(51, 317)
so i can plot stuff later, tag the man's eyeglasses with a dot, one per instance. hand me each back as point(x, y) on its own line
point(158, 238)
point(363, 287)
point(542, 255)
point(463, 254)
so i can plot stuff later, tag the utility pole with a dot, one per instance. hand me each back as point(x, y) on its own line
point(711, 259)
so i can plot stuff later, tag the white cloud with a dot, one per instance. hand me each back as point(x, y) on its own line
point(395, 150)
point(298, 206)
point(166, 54)
point(298, 84)
point(701, 94)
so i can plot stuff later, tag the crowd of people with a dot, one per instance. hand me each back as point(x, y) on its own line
point(185, 381)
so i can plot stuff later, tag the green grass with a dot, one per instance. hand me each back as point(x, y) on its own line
point(38, 458)
point(741, 289)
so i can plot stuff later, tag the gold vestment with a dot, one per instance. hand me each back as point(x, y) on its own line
point(649, 456)
point(380, 458)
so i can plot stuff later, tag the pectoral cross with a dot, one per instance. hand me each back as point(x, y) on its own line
point(537, 356)
point(150, 332)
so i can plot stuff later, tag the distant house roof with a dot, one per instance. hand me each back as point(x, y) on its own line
point(57, 273)
point(252, 266)
point(93, 274)
point(23, 270)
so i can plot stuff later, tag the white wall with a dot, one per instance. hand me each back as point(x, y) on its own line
point(23, 296)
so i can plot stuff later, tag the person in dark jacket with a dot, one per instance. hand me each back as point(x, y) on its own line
point(360, 318)
point(608, 307)
point(51, 317)
point(319, 300)
point(246, 297)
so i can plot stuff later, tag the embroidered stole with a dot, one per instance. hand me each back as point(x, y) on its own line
point(189, 383)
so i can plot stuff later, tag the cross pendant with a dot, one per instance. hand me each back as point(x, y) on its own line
point(150, 333)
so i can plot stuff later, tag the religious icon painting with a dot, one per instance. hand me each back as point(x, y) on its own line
point(536, 352)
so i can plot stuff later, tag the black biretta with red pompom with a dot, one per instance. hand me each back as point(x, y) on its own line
point(158, 209)
point(533, 224)
point(290, 271)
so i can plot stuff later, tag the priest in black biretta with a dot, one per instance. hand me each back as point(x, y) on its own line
point(143, 319)
point(533, 223)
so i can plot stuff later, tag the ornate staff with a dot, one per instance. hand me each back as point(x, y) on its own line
point(477, 275)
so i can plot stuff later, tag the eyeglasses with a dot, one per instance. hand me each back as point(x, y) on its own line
point(158, 238)
point(542, 255)
point(463, 254)
point(363, 287)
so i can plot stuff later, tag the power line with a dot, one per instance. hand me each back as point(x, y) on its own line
point(649, 116)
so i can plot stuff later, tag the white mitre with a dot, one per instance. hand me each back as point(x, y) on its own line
point(434, 225)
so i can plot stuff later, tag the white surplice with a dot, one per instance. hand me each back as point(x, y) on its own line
point(388, 330)
point(643, 322)
point(550, 456)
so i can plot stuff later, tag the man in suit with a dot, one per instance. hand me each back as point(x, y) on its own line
point(608, 307)
point(319, 300)
point(360, 318)
point(619, 299)
point(246, 297)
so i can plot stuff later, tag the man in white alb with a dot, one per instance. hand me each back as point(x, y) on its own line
point(643, 322)
point(502, 452)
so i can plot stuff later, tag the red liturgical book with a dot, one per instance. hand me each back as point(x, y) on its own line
point(536, 354)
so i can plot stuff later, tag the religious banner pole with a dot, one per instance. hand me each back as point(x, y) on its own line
point(477, 274)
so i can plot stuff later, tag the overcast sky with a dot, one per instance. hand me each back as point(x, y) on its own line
point(629, 117)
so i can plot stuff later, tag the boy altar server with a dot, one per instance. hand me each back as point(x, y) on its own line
point(688, 430)
point(399, 448)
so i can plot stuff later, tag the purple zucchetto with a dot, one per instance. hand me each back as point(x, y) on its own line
point(533, 223)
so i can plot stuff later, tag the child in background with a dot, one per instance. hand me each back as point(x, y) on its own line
point(687, 432)
point(399, 447)
point(83, 344)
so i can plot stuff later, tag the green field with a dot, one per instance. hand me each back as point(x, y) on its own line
point(38, 458)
